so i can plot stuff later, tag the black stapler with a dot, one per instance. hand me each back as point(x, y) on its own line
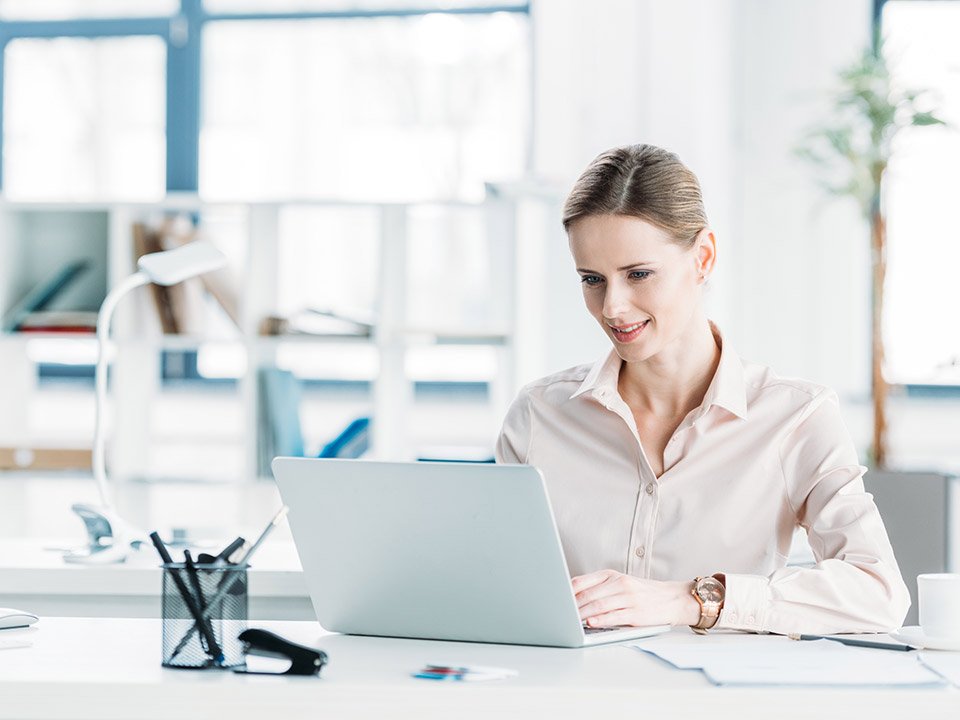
point(303, 660)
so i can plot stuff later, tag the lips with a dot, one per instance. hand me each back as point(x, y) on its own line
point(628, 333)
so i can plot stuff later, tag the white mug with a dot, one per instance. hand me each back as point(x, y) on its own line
point(939, 595)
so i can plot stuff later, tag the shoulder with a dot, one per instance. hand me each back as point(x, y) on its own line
point(556, 388)
point(763, 384)
point(791, 403)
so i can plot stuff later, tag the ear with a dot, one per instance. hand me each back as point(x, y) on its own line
point(706, 253)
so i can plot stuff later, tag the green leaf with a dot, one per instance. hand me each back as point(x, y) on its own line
point(926, 118)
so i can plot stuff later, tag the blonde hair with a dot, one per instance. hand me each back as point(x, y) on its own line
point(642, 181)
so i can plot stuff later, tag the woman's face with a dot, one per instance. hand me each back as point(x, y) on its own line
point(642, 287)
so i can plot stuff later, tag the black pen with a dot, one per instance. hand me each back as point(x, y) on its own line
point(876, 644)
point(194, 578)
point(198, 617)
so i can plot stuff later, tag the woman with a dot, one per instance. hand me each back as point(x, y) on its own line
point(678, 472)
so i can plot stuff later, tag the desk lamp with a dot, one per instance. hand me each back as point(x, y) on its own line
point(110, 537)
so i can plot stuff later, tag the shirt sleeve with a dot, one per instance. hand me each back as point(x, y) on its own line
point(855, 585)
point(514, 441)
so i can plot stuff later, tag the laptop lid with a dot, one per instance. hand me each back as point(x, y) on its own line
point(446, 551)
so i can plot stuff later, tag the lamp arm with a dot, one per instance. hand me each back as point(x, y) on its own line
point(100, 379)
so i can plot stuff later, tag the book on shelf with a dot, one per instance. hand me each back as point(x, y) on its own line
point(312, 321)
point(278, 417)
point(39, 297)
point(147, 240)
point(194, 305)
point(279, 431)
point(59, 321)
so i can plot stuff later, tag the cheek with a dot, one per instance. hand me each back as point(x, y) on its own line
point(593, 299)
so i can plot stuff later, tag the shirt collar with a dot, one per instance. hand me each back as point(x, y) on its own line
point(726, 390)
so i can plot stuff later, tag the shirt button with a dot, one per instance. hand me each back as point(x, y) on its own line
point(750, 619)
point(640, 552)
point(650, 488)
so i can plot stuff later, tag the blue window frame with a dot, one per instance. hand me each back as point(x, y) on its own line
point(183, 35)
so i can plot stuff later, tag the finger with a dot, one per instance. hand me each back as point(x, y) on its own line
point(605, 604)
point(610, 585)
point(614, 618)
point(582, 582)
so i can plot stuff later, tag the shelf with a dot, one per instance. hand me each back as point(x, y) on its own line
point(38, 237)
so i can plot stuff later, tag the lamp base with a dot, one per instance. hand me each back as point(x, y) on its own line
point(110, 539)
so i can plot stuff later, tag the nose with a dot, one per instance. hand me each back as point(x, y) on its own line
point(616, 300)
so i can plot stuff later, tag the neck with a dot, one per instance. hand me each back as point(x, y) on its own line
point(675, 380)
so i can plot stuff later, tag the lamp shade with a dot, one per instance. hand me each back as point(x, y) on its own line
point(172, 266)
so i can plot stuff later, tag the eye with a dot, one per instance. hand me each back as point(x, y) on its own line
point(640, 274)
point(591, 280)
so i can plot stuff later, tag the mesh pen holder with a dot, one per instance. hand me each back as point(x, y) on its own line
point(218, 596)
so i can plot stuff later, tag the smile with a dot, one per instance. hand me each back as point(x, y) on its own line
point(628, 333)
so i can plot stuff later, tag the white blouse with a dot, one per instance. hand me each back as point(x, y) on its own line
point(760, 456)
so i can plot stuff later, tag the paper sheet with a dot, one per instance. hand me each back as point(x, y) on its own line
point(776, 660)
point(946, 664)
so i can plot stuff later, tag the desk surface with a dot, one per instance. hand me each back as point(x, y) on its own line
point(110, 668)
point(33, 576)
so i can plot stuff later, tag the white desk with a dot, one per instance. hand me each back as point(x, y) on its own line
point(37, 579)
point(110, 668)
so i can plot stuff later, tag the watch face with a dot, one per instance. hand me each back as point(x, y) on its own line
point(710, 590)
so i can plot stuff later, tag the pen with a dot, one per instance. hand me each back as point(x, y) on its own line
point(854, 642)
point(195, 611)
point(225, 587)
point(263, 536)
point(194, 578)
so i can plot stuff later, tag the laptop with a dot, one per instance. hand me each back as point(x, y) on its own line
point(442, 551)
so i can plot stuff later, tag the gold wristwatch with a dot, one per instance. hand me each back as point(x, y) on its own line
point(709, 592)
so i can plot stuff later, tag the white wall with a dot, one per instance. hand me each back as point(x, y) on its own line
point(731, 86)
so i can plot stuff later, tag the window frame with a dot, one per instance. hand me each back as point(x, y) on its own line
point(912, 390)
point(182, 33)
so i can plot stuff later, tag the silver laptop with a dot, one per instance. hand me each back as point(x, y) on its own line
point(445, 551)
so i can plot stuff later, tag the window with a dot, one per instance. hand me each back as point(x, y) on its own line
point(385, 109)
point(921, 195)
point(75, 9)
point(84, 118)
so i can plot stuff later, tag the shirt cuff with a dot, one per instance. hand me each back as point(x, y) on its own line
point(745, 603)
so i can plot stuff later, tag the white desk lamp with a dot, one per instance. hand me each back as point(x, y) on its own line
point(110, 537)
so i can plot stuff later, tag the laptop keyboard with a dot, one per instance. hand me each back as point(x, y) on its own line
point(598, 630)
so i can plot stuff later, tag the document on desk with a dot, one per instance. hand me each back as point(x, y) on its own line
point(946, 664)
point(776, 660)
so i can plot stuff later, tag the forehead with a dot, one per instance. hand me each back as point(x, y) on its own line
point(619, 240)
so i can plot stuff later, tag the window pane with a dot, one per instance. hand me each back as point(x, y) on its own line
point(264, 6)
point(70, 9)
point(388, 109)
point(84, 118)
point(921, 194)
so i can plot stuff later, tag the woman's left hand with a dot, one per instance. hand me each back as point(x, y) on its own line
point(608, 598)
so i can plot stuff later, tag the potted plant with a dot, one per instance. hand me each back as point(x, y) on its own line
point(851, 152)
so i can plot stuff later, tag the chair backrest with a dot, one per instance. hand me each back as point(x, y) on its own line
point(914, 507)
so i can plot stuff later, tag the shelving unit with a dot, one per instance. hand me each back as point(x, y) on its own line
point(35, 239)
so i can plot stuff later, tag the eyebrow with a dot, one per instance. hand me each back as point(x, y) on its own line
point(619, 269)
